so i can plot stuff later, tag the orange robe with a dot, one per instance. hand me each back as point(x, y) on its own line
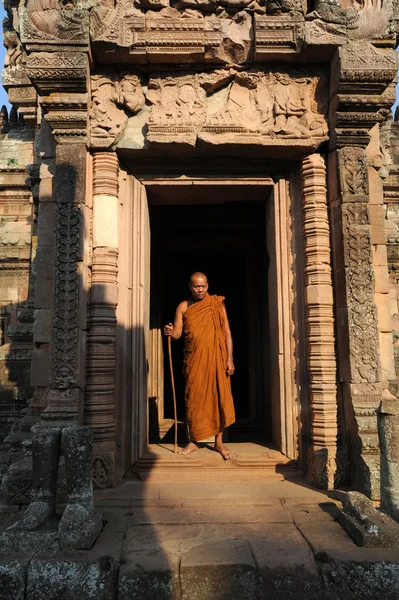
point(209, 401)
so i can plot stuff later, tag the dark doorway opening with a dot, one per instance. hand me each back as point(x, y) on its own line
point(227, 242)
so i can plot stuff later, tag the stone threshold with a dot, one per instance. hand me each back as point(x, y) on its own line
point(250, 462)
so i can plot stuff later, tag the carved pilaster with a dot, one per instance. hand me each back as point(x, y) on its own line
point(101, 367)
point(363, 88)
point(65, 396)
point(320, 323)
point(357, 332)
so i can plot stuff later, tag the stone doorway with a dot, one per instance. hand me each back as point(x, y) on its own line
point(227, 241)
point(246, 222)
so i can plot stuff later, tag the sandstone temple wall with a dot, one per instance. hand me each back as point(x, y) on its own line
point(105, 91)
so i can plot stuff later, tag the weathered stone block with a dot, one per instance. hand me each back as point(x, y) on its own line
point(43, 292)
point(44, 262)
point(45, 225)
point(387, 357)
point(148, 575)
point(70, 179)
point(384, 313)
point(381, 280)
point(221, 570)
point(42, 326)
point(365, 524)
point(377, 219)
point(380, 255)
point(13, 574)
point(41, 365)
point(376, 187)
point(46, 191)
point(72, 577)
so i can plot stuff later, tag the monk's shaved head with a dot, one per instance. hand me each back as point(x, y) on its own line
point(198, 274)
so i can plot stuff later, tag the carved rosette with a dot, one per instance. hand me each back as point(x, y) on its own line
point(320, 323)
point(101, 365)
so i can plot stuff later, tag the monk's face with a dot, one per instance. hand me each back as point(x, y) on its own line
point(199, 287)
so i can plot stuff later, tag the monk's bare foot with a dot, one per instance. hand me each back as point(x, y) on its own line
point(189, 449)
point(224, 451)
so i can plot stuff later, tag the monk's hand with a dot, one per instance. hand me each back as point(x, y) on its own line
point(168, 329)
point(230, 367)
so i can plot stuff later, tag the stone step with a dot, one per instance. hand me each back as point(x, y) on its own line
point(250, 462)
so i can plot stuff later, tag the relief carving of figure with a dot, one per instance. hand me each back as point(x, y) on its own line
point(107, 119)
point(240, 109)
point(131, 93)
point(14, 49)
point(289, 107)
point(277, 7)
point(176, 103)
point(233, 103)
point(329, 12)
point(55, 19)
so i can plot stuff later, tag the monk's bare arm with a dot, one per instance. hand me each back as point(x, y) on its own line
point(229, 343)
point(175, 331)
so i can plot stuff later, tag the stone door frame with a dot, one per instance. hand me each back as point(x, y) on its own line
point(303, 361)
point(285, 389)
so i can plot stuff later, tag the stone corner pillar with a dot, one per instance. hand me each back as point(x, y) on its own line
point(320, 324)
point(363, 78)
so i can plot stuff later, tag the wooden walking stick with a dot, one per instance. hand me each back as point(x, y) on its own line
point(173, 387)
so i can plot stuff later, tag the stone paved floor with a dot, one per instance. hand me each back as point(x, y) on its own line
point(181, 540)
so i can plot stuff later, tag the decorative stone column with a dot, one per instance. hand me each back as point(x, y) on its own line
point(358, 67)
point(320, 324)
point(101, 367)
point(60, 78)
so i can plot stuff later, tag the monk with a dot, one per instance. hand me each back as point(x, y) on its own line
point(208, 364)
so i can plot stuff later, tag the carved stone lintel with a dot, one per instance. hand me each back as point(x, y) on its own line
point(320, 322)
point(255, 107)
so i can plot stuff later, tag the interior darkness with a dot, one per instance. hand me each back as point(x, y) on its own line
point(227, 243)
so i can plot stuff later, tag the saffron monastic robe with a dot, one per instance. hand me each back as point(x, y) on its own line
point(209, 401)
